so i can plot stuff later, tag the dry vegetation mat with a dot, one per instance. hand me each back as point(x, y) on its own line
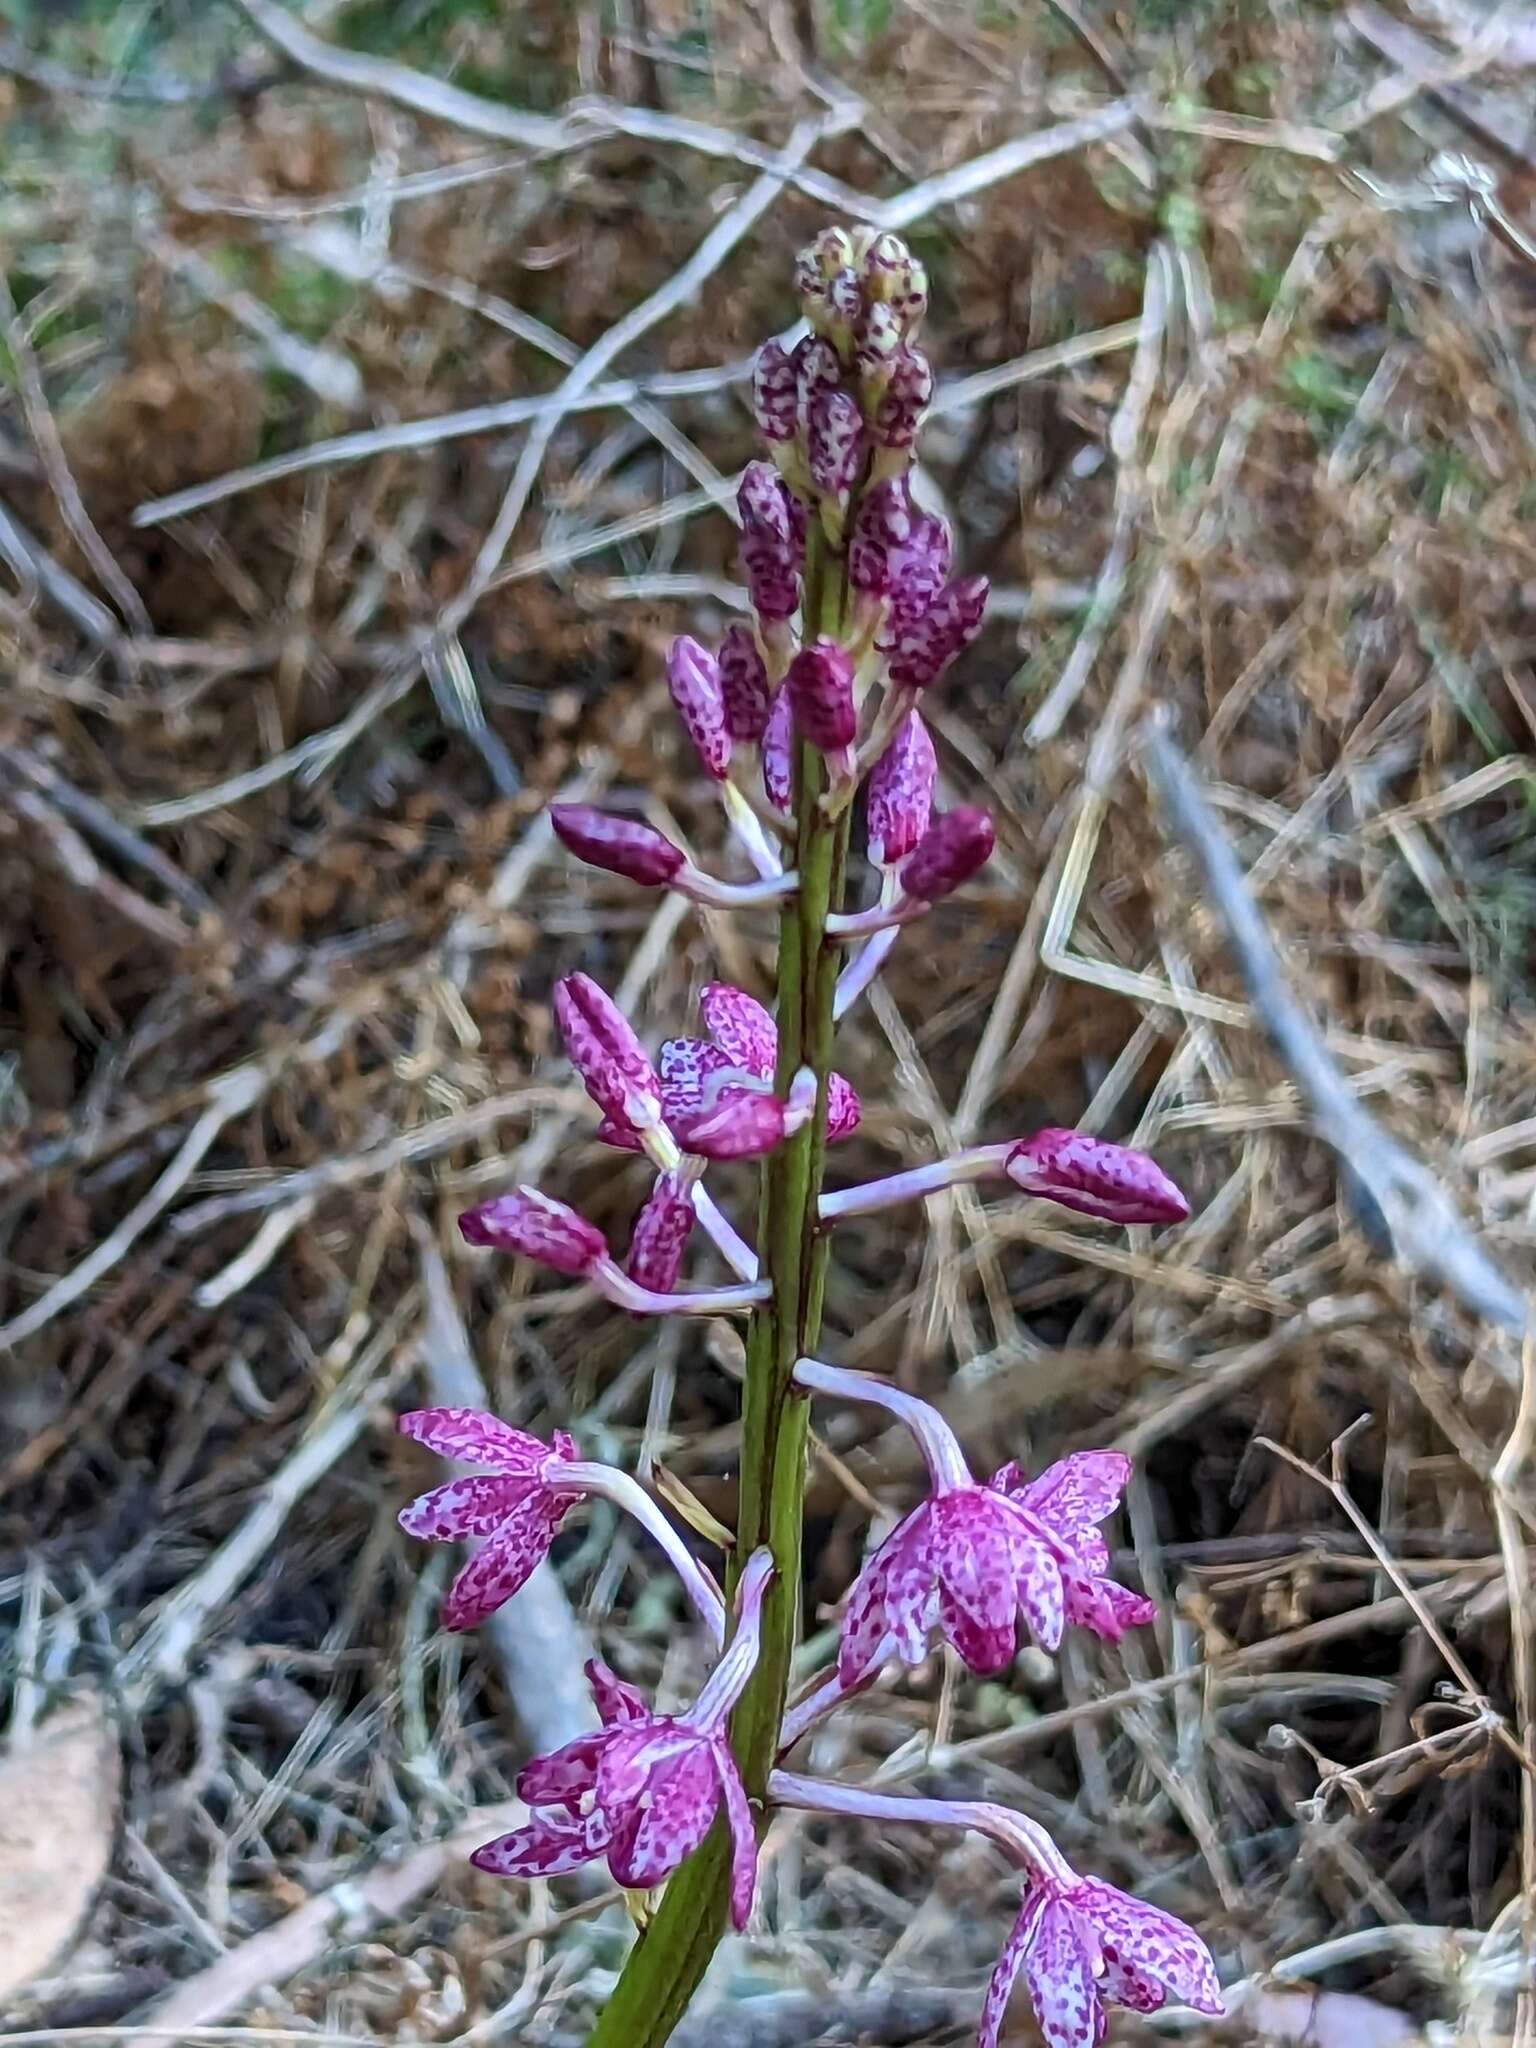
point(371, 398)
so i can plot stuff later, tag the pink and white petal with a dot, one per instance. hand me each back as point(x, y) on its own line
point(1059, 1973)
point(1038, 1587)
point(473, 1437)
point(738, 1816)
point(616, 1701)
point(843, 1109)
point(889, 1599)
point(548, 1846)
point(1000, 1986)
point(687, 1065)
point(650, 1841)
point(975, 1559)
point(564, 1776)
point(1075, 1494)
point(632, 1754)
point(504, 1562)
point(463, 1507)
point(1097, 1603)
point(741, 1027)
point(1150, 1944)
point(621, 1135)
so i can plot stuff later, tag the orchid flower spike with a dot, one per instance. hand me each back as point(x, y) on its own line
point(644, 1790)
point(971, 1559)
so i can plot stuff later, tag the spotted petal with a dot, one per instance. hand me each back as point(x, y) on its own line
point(651, 1840)
point(1095, 1602)
point(464, 1507)
point(975, 1552)
point(742, 1028)
point(550, 1844)
point(1009, 1963)
point(1059, 1973)
point(890, 1597)
point(738, 1815)
point(505, 1561)
point(472, 1437)
point(843, 1109)
point(1149, 1946)
point(565, 1776)
point(616, 1701)
point(1073, 1496)
point(687, 1066)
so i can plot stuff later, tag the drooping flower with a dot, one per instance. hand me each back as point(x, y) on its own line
point(1095, 1177)
point(513, 1504)
point(971, 1559)
point(644, 1790)
point(1087, 1945)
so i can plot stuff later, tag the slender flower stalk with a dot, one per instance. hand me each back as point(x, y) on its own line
point(857, 615)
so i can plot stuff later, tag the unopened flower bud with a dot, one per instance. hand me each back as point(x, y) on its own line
point(621, 845)
point(660, 1236)
point(875, 350)
point(536, 1227)
point(921, 646)
point(744, 687)
point(693, 677)
point(820, 686)
point(1095, 1177)
point(774, 386)
point(834, 443)
point(907, 396)
point(899, 801)
point(770, 546)
point(920, 567)
point(845, 307)
point(953, 849)
point(893, 276)
point(817, 369)
point(779, 752)
point(879, 542)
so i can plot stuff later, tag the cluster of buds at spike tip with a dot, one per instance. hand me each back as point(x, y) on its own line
point(855, 613)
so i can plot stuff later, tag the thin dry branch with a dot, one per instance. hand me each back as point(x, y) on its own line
point(1428, 1231)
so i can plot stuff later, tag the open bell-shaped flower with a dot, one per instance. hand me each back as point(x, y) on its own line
point(644, 1789)
point(1084, 1946)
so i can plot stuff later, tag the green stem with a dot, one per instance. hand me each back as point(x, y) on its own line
point(669, 1961)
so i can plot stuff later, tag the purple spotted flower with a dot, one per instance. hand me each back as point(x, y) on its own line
point(644, 1790)
point(971, 1559)
point(660, 1236)
point(779, 751)
point(693, 677)
point(514, 1504)
point(899, 797)
point(744, 688)
point(1084, 1946)
point(772, 542)
point(738, 1059)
